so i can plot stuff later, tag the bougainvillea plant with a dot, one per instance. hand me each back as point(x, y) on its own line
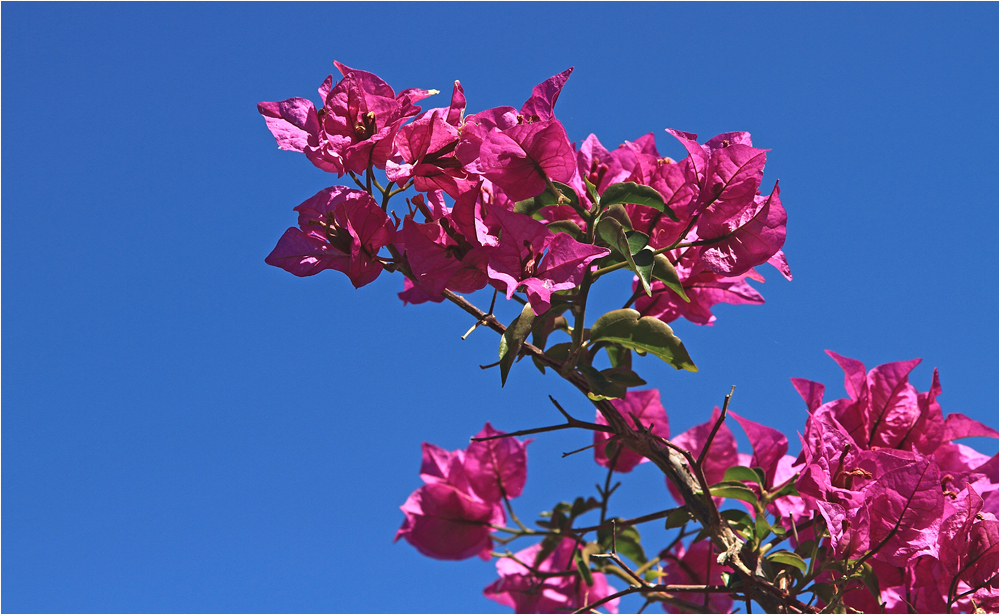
point(882, 511)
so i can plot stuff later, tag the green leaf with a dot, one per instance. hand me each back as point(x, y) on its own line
point(734, 490)
point(742, 474)
point(584, 570)
point(610, 231)
point(552, 320)
point(589, 549)
point(560, 352)
point(788, 489)
point(630, 192)
point(528, 207)
point(581, 506)
point(645, 334)
point(592, 191)
point(636, 240)
point(531, 207)
point(569, 193)
point(557, 518)
point(630, 545)
point(663, 270)
point(870, 579)
point(762, 529)
point(623, 376)
point(744, 523)
point(805, 548)
point(824, 591)
point(569, 227)
point(618, 213)
point(789, 559)
point(513, 339)
point(601, 387)
point(677, 517)
point(619, 356)
point(644, 261)
point(611, 447)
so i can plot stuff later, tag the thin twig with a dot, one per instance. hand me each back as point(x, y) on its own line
point(606, 493)
point(588, 447)
point(528, 432)
point(629, 522)
point(715, 428)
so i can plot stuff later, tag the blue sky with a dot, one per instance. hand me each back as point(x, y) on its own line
point(188, 429)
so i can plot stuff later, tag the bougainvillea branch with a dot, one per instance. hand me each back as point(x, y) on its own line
point(881, 511)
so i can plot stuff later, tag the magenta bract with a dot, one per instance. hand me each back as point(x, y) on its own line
point(355, 127)
point(339, 228)
point(695, 565)
point(527, 593)
point(450, 516)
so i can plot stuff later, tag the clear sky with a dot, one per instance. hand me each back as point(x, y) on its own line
point(188, 429)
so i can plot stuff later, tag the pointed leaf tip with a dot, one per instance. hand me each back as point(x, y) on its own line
point(636, 194)
point(513, 339)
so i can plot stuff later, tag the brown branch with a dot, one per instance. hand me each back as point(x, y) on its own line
point(678, 465)
point(629, 522)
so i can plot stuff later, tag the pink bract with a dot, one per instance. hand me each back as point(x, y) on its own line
point(721, 456)
point(695, 565)
point(526, 593)
point(339, 228)
point(449, 517)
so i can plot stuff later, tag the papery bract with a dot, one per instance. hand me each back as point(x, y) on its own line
point(517, 587)
point(695, 565)
point(562, 268)
point(811, 392)
point(450, 516)
point(496, 468)
point(958, 426)
point(722, 453)
point(703, 289)
point(905, 512)
point(519, 159)
point(544, 95)
point(518, 259)
point(414, 294)
point(598, 165)
point(341, 229)
point(445, 523)
point(439, 261)
point(769, 446)
point(732, 176)
point(293, 122)
point(734, 245)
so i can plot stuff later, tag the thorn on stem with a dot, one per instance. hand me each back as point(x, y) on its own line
point(481, 321)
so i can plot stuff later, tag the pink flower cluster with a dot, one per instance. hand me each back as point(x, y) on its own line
point(450, 517)
point(883, 469)
point(720, 224)
point(724, 226)
point(551, 585)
